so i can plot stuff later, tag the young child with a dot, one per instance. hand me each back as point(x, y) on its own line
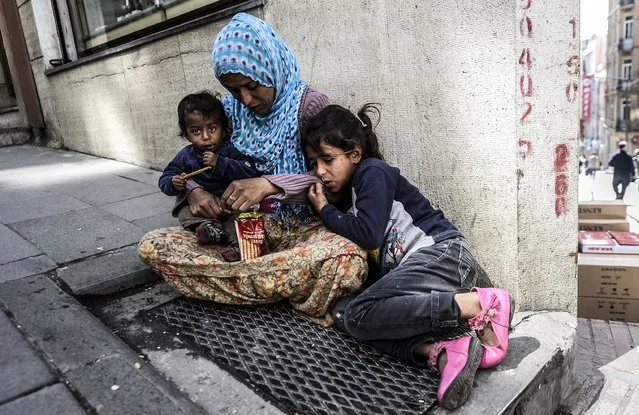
point(425, 266)
point(203, 123)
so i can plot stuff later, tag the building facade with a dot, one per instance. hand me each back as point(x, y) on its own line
point(622, 117)
point(593, 104)
point(479, 108)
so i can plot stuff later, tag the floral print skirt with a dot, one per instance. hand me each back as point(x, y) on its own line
point(307, 265)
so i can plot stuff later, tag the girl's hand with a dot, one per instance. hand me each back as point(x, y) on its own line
point(242, 194)
point(317, 197)
point(209, 158)
point(178, 182)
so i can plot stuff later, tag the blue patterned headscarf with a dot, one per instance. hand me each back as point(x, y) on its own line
point(249, 46)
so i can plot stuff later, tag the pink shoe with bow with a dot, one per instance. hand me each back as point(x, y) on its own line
point(497, 313)
point(456, 378)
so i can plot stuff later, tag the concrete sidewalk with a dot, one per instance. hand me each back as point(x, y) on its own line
point(72, 221)
point(76, 219)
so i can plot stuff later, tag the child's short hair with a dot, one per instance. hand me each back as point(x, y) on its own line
point(205, 103)
point(337, 126)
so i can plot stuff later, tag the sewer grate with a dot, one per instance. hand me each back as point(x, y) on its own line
point(301, 365)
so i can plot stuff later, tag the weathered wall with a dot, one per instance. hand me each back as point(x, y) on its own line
point(491, 141)
point(482, 146)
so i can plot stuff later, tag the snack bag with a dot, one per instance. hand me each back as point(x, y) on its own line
point(250, 235)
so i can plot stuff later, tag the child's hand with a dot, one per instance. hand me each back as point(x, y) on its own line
point(209, 158)
point(317, 197)
point(178, 182)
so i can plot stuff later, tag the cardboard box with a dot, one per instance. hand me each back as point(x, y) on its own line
point(608, 242)
point(608, 276)
point(600, 225)
point(602, 209)
point(608, 309)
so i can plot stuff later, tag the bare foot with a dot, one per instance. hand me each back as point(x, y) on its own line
point(442, 359)
point(425, 349)
point(487, 336)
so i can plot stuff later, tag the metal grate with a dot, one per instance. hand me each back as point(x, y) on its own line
point(301, 365)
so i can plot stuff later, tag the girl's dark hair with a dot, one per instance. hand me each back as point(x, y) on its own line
point(205, 103)
point(336, 126)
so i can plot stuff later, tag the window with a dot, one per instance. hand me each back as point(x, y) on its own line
point(101, 24)
point(626, 106)
point(628, 27)
point(626, 69)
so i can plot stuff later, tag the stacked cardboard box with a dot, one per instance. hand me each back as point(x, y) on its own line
point(608, 215)
point(608, 285)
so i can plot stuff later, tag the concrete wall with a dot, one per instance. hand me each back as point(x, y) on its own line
point(498, 156)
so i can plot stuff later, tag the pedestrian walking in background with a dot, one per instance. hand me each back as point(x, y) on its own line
point(592, 165)
point(624, 170)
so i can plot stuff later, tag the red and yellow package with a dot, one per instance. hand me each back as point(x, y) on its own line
point(251, 235)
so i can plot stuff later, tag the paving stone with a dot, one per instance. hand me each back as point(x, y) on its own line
point(87, 353)
point(634, 333)
point(147, 176)
point(134, 393)
point(14, 247)
point(44, 169)
point(126, 308)
point(622, 341)
point(108, 273)
point(162, 220)
point(63, 329)
point(54, 399)
point(208, 385)
point(632, 408)
point(22, 369)
point(101, 190)
point(78, 234)
point(611, 397)
point(25, 267)
point(23, 203)
point(141, 207)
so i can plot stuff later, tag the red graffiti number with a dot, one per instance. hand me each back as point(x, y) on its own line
point(573, 65)
point(571, 91)
point(573, 22)
point(525, 27)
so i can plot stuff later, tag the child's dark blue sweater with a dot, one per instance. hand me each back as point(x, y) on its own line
point(386, 212)
point(231, 165)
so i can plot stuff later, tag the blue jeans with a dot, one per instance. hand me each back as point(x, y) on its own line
point(406, 306)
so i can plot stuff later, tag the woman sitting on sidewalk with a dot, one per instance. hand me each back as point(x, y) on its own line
point(309, 265)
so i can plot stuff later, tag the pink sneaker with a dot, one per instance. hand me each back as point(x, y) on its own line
point(497, 312)
point(456, 379)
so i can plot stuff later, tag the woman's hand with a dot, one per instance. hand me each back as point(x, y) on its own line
point(317, 197)
point(242, 194)
point(205, 205)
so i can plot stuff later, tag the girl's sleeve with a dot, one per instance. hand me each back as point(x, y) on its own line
point(375, 190)
point(294, 186)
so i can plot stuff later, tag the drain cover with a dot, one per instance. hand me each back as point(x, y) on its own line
point(301, 365)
